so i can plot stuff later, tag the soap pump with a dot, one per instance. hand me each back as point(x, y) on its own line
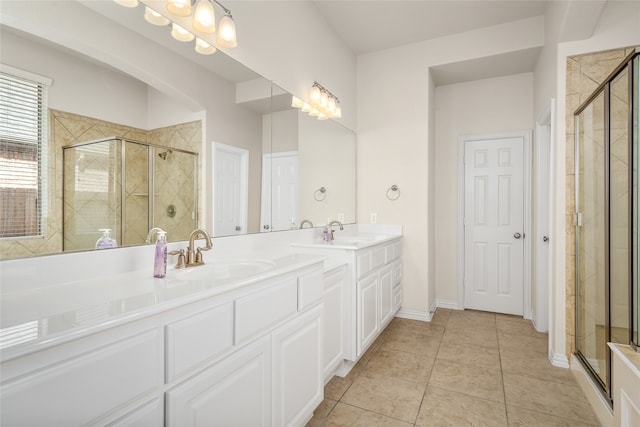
point(160, 259)
point(106, 242)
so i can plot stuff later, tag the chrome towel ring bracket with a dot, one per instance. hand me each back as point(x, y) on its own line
point(393, 193)
point(320, 194)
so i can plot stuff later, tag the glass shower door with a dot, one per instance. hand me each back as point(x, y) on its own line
point(591, 248)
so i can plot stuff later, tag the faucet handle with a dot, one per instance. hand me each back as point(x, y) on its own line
point(181, 259)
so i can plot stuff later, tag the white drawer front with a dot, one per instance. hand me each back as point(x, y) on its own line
point(310, 289)
point(192, 340)
point(264, 309)
point(85, 386)
point(377, 257)
point(397, 272)
point(363, 263)
point(397, 298)
point(393, 251)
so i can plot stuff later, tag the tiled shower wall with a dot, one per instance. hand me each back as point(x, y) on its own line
point(584, 74)
point(67, 129)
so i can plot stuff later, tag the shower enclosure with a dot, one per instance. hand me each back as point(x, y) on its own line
point(128, 187)
point(607, 220)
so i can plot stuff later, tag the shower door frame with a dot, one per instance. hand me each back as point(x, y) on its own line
point(605, 89)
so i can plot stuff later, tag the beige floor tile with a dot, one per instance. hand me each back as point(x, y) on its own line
point(392, 397)
point(416, 343)
point(560, 400)
point(483, 382)
point(470, 355)
point(520, 417)
point(347, 416)
point(523, 344)
point(337, 386)
point(413, 327)
point(447, 408)
point(535, 365)
point(398, 364)
point(517, 327)
point(472, 337)
point(321, 412)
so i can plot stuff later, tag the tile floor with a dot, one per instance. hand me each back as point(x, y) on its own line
point(465, 368)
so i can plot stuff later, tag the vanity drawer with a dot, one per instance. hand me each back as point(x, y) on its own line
point(88, 382)
point(310, 289)
point(377, 257)
point(397, 272)
point(264, 309)
point(363, 264)
point(192, 340)
point(392, 252)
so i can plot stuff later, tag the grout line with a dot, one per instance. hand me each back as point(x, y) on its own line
point(504, 392)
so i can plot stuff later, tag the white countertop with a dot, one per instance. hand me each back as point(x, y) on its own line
point(348, 242)
point(38, 318)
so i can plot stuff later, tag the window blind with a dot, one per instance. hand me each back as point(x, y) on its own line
point(23, 130)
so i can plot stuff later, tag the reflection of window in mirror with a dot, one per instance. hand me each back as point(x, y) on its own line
point(22, 152)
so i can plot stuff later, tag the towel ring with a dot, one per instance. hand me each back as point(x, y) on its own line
point(393, 193)
point(320, 194)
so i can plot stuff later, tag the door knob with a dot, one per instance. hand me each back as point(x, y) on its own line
point(266, 227)
point(545, 239)
point(517, 235)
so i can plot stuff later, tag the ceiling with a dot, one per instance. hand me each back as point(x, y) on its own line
point(369, 25)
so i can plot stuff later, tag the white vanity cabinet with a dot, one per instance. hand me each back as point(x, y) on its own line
point(333, 319)
point(251, 356)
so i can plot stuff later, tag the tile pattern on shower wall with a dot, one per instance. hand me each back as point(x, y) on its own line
point(66, 128)
point(584, 74)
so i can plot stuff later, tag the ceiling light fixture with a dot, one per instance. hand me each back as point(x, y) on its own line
point(203, 23)
point(322, 103)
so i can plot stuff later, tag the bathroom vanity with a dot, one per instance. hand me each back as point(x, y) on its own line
point(132, 350)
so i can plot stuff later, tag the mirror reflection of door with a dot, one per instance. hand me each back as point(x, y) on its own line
point(280, 199)
point(231, 190)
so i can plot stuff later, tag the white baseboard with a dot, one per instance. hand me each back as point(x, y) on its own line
point(451, 305)
point(414, 315)
point(559, 360)
point(592, 392)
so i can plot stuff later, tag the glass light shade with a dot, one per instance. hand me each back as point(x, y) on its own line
point(204, 17)
point(306, 108)
point(227, 32)
point(322, 116)
point(153, 17)
point(296, 102)
point(180, 34)
point(314, 94)
point(127, 3)
point(337, 114)
point(324, 99)
point(204, 48)
point(331, 105)
point(179, 7)
point(314, 112)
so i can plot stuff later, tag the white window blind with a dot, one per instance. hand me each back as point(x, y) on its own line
point(23, 155)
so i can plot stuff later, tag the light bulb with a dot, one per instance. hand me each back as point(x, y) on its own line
point(180, 34)
point(296, 102)
point(204, 17)
point(153, 17)
point(179, 7)
point(314, 94)
point(127, 3)
point(227, 32)
point(204, 48)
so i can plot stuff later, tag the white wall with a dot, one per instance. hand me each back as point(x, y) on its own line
point(396, 145)
point(481, 107)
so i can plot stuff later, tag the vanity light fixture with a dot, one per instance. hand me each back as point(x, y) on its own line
point(322, 103)
point(203, 23)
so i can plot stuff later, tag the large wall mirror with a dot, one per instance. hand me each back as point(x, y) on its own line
point(232, 154)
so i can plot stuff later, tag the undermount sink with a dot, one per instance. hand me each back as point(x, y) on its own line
point(225, 269)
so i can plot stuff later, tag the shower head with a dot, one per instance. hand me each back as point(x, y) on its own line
point(164, 154)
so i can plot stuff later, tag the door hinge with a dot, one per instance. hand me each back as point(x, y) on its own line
point(578, 219)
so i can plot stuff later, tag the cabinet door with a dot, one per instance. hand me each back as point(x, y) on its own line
point(147, 415)
point(333, 317)
point(298, 382)
point(368, 319)
point(386, 295)
point(234, 392)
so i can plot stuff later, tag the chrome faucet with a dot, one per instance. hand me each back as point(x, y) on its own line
point(331, 224)
point(306, 221)
point(150, 234)
point(194, 255)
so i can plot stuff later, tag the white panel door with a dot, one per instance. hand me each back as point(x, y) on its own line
point(279, 191)
point(231, 191)
point(494, 225)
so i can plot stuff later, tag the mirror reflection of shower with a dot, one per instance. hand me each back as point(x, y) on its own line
point(164, 154)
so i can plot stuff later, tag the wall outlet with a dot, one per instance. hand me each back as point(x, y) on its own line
point(373, 218)
point(341, 217)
